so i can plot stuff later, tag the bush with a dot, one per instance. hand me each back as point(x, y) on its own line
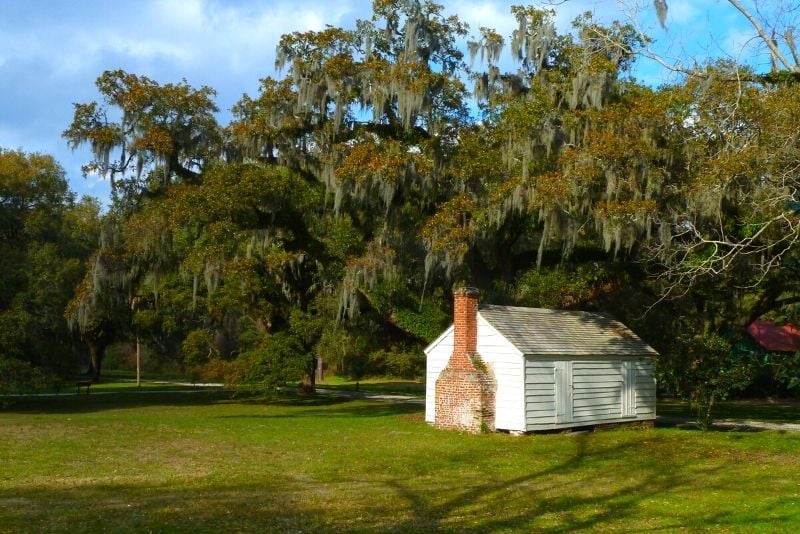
point(345, 352)
point(704, 369)
point(397, 362)
point(278, 360)
point(197, 347)
point(558, 287)
point(212, 370)
point(18, 377)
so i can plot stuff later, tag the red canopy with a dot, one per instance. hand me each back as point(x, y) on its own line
point(774, 338)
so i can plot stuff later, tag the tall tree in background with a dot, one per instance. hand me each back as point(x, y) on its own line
point(45, 236)
point(348, 193)
point(735, 225)
point(145, 136)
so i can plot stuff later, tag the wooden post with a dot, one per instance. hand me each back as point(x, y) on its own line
point(138, 363)
point(135, 302)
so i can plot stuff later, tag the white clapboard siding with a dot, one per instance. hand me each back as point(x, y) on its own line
point(437, 354)
point(507, 365)
point(599, 390)
point(600, 385)
point(645, 389)
point(540, 399)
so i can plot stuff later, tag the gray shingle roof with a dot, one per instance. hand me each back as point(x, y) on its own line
point(537, 331)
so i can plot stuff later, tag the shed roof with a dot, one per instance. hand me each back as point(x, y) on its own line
point(538, 331)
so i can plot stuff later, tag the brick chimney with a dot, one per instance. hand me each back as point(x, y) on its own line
point(465, 327)
point(465, 388)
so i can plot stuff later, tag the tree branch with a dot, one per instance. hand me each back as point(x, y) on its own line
point(776, 52)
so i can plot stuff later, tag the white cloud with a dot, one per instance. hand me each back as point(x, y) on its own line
point(497, 15)
point(235, 36)
point(51, 52)
point(683, 11)
point(493, 15)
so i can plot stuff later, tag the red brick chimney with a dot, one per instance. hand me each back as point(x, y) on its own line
point(465, 388)
point(465, 327)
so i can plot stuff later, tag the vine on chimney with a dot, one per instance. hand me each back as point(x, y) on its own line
point(478, 363)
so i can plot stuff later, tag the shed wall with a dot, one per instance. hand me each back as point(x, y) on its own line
point(540, 393)
point(508, 367)
point(588, 391)
point(501, 357)
point(645, 389)
point(437, 354)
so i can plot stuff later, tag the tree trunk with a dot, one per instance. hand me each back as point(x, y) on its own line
point(96, 353)
point(309, 384)
point(320, 370)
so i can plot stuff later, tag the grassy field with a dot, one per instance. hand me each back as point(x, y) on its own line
point(207, 463)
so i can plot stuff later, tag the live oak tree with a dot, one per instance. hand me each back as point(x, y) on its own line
point(45, 236)
point(145, 136)
point(731, 250)
point(393, 159)
point(99, 309)
point(372, 114)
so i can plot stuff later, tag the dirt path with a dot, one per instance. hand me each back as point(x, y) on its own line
point(729, 424)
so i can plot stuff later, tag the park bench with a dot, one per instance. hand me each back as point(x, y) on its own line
point(83, 384)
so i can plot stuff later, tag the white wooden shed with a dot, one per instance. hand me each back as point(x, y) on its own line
point(550, 369)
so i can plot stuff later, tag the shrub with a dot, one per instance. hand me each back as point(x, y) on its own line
point(278, 360)
point(704, 369)
point(396, 361)
point(197, 347)
point(17, 377)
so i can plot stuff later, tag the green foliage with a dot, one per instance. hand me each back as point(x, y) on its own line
point(786, 370)
point(705, 369)
point(558, 287)
point(779, 371)
point(279, 359)
point(197, 347)
point(17, 376)
point(45, 236)
point(425, 322)
point(398, 362)
point(343, 350)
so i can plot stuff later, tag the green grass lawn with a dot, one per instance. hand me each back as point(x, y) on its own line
point(205, 462)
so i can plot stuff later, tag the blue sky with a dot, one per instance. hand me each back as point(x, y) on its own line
point(51, 51)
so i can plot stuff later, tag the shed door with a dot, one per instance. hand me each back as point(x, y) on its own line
point(563, 387)
point(600, 391)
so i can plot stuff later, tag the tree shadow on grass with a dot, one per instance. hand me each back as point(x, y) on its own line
point(141, 508)
point(130, 400)
point(307, 406)
point(768, 410)
point(115, 401)
point(338, 407)
point(694, 426)
point(548, 501)
point(569, 495)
